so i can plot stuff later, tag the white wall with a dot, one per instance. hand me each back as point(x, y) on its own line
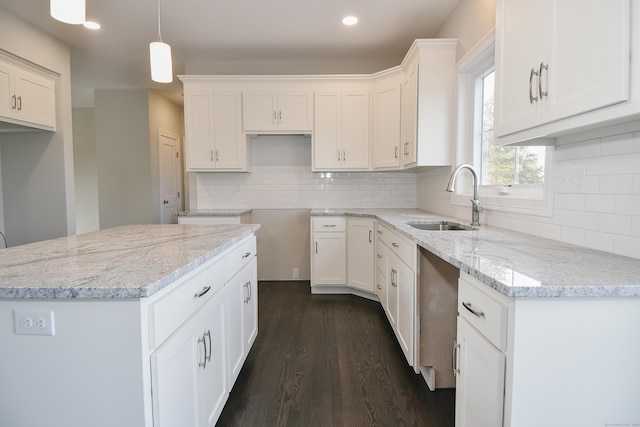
point(86, 170)
point(469, 22)
point(37, 167)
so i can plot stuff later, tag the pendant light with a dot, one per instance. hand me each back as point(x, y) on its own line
point(68, 11)
point(160, 55)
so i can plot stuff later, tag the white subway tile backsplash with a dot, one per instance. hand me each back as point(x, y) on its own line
point(616, 184)
point(598, 240)
point(629, 163)
point(617, 144)
point(627, 205)
point(616, 224)
point(600, 203)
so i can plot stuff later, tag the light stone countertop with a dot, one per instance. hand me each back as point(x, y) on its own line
point(515, 264)
point(215, 212)
point(122, 262)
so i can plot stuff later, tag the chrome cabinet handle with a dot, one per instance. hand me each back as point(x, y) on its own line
point(396, 152)
point(208, 334)
point(338, 155)
point(19, 103)
point(395, 245)
point(379, 231)
point(344, 155)
point(379, 256)
point(203, 364)
point(329, 225)
point(531, 97)
point(246, 255)
point(13, 102)
point(280, 116)
point(212, 158)
point(542, 93)
point(406, 148)
point(394, 278)
point(469, 307)
point(202, 292)
point(370, 236)
point(454, 358)
point(275, 116)
point(316, 247)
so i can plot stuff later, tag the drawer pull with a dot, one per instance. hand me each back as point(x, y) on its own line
point(379, 256)
point(329, 225)
point(203, 340)
point(476, 313)
point(454, 358)
point(208, 334)
point(246, 255)
point(395, 245)
point(202, 292)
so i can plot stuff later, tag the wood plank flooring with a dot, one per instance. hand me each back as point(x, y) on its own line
point(329, 360)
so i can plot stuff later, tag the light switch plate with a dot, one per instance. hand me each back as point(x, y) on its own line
point(34, 322)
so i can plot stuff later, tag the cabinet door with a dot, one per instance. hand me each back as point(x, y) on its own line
point(386, 127)
point(212, 381)
point(520, 37)
point(174, 376)
point(392, 291)
point(198, 113)
point(35, 99)
point(227, 130)
point(382, 273)
point(259, 111)
point(360, 254)
point(250, 320)
point(327, 148)
point(409, 116)
point(6, 90)
point(355, 129)
point(295, 111)
point(329, 259)
point(235, 325)
point(588, 58)
point(480, 380)
point(405, 316)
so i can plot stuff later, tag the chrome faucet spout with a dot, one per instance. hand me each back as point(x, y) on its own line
point(475, 203)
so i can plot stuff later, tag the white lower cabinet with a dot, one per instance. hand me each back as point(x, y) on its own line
point(242, 319)
point(480, 379)
point(189, 373)
point(360, 254)
point(397, 256)
point(328, 251)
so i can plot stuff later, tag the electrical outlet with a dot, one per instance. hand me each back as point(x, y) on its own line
point(34, 322)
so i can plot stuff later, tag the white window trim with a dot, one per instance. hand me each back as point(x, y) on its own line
point(477, 60)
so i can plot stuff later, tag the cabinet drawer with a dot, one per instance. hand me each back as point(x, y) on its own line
point(191, 292)
point(332, 223)
point(486, 312)
point(240, 256)
point(404, 248)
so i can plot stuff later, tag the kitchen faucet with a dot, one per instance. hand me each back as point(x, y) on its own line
point(475, 203)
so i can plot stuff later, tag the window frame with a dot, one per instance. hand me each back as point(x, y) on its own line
point(478, 62)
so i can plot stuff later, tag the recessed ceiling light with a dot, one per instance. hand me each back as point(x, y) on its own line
point(91, 25)
point(349, 20)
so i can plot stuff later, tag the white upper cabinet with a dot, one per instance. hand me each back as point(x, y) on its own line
point(427, 103)
point(559, 60)
point(385, 139)
point(27, 97)
point(341, 130)
point(278, 111)
point(214, 141)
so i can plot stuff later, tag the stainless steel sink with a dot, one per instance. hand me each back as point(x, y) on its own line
point(440, 226)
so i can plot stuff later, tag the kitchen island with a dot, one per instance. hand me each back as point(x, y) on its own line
point(130, 326)
point(545, 333)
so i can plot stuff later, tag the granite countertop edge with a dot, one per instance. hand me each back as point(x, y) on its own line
point(215, 212)
point(535, 267)
point(184, 264)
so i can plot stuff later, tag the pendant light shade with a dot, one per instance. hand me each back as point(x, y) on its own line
point(68, 11)
point(160, 55)
point(161, 66)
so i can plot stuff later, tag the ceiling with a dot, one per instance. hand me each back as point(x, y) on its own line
point(234, 37)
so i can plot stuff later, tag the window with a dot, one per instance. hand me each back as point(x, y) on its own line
point(512, 178)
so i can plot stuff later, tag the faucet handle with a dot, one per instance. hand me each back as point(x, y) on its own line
point(476, 205)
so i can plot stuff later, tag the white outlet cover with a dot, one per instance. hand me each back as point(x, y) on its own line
point(34, 322)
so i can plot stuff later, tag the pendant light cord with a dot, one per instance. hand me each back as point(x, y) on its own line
point(159, 32)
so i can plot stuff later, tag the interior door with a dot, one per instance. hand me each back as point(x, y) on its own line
point(170, 178)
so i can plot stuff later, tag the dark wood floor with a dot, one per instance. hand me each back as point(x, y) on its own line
point(329, 360)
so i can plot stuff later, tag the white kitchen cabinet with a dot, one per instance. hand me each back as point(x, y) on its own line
point(361, 254)
point(479, 355)
point(341, 130)
point(480, 372)
point(328, 251)
point(427, 103)
point(386, 122)
point(552, 65)
point(214, 141)
point(401, 296)
point(242, 317)
point(409, 115)
point(27, 95)
point(277, 111)
point(189, 371)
